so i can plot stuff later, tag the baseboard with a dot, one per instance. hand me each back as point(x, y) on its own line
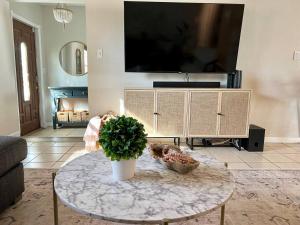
point(48, 124)
point(282, 140)
point(15, 134)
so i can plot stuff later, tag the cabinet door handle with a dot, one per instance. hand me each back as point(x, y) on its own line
point(156, 113)
point(220, 114)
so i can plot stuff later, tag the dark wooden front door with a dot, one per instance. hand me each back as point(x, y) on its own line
point(27, 78)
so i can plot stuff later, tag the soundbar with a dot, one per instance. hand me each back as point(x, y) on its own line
point(177, 84)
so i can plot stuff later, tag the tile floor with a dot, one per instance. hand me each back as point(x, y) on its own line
point(59, 132)
point(276, 156)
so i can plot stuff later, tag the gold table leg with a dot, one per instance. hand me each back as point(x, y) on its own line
point(222, 220)
point(164, 222)
point(55, 208)
point(222, 215)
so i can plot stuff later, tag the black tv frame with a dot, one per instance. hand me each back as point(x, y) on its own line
point(180, 72)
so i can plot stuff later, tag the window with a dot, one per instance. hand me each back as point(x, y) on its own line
point(85, 60)
point(25, 73)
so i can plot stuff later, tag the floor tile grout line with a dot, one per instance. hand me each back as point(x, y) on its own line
point(281, 155)
point(32, 158)
point(250, 162)
point(261, 162)
point(291, 158)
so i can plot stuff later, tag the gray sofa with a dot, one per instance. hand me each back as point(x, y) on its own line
point(12, 151)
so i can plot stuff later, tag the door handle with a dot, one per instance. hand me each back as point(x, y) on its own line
point(156, 113)
point(220, 114)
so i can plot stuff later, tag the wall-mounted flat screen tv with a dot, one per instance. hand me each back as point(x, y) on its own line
point(167, 37)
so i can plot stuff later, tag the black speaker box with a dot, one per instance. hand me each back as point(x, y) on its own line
point(176, 84)
point(255, 141)
point(234, 80)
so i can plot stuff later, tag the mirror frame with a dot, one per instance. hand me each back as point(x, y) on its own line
point(60, 57)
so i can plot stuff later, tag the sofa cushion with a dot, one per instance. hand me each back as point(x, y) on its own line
point(12, 151)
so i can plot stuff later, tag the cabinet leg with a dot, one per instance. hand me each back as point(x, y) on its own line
point(188, 143)
point(54, 122)
point(237, 143)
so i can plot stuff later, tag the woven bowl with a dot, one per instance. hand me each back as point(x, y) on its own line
point(179, 167)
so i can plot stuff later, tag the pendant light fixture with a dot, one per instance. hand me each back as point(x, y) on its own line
point(62, 14)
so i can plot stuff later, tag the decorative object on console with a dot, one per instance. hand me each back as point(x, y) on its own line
point(173, 158)
point(234, 80)
point(123, 140)
point(62, 14)
point(256, 139)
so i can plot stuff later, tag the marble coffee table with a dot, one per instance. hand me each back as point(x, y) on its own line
point(154, 196)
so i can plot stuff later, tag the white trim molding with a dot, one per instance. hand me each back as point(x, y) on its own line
point(282, 139)
point(15, 134)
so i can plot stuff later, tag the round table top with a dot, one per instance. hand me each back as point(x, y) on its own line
point(155, 194)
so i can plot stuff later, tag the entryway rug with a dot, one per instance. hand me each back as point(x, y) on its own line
point(261, 198)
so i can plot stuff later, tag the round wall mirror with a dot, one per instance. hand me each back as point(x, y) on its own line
point(73, 58)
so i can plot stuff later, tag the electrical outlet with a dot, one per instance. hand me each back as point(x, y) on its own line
point(296, 55)
point(99, 53)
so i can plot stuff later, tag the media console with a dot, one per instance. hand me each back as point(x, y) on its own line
point(190, 113)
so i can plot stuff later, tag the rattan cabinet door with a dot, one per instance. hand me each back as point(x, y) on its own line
point(203, 114)
point(140, 105)
point(171, 111)
point(234, 114)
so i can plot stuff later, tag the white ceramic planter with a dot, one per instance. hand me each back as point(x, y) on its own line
point(123, 169)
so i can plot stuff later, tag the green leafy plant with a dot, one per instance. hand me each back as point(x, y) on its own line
point(123, 138)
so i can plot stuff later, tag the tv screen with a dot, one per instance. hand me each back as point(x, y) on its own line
point(181, 37)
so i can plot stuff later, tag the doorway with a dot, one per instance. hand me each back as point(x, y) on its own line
point(27, 77)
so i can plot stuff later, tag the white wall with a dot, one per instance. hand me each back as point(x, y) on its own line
point(9, 113)
point(55, 37)
point(32, 12)
point(269, 36)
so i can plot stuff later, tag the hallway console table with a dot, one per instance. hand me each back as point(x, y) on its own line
point(59, 93)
